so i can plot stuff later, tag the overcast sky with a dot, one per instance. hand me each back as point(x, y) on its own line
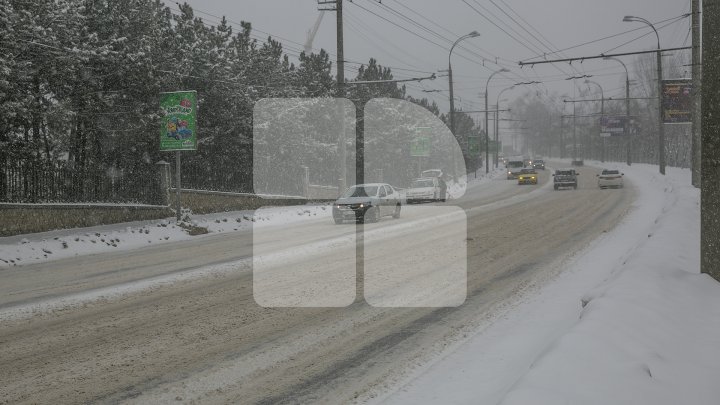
point(562, 24)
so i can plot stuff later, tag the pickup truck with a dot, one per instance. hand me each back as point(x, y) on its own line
point(565, 178)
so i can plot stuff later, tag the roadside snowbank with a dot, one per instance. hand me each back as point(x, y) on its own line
point(649, 332)
point(54, 245)
point(61, 244)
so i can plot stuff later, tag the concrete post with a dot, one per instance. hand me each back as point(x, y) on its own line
point(163, 191)
point(306, 182)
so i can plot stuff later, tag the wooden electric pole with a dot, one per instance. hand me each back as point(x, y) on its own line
point(710, 190)
point(337, 7)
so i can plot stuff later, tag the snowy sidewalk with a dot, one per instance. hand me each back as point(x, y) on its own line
point(61, 244)
point(649, 331)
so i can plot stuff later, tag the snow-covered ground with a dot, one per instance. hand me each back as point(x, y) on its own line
point(61, 244)
point(54, 245)
point(629, 321)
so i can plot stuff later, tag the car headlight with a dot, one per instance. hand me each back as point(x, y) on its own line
point(362, 205)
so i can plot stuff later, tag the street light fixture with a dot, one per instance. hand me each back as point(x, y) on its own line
point(487, 133)
point(661, 129)
point(627, 109)
point(473, 34)
point(497, 120)
point(602, 114)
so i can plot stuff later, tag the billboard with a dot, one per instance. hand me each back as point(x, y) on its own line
point(613, 125)
point(179, 121)
point(677, 101)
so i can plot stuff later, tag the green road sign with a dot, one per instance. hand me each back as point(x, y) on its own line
point(179, 121)
point(420, 146)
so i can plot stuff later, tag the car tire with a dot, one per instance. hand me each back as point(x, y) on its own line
point(575, 187)
point(556, 187)
point(338, 221)
point(396, 214)
point(371, 215)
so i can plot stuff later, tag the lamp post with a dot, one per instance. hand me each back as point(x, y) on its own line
point(497, 126)
point(602, 114)
point(661, 129)
point(487, 133)
point(450, 78)
point(627, 110)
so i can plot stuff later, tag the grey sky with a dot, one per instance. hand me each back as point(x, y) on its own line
point(564, 23)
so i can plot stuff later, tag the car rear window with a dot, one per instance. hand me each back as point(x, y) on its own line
point(422, 183)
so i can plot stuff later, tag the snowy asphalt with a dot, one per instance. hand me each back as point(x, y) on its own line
point(205, 338)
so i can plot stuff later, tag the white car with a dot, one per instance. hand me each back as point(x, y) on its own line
point(367, 203)
point(610, 178)
point(424, 189)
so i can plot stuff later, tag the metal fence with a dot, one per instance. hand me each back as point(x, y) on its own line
point(33, 181)
point(277, 179)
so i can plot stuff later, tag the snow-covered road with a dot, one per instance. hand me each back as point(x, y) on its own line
point(205, 338)
point(629, 321)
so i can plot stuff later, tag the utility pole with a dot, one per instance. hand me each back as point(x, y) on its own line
point(661, 122)
point(627, 117)
point(602, 113)
point(487, 136)
point(473, 34)
point(562, 137)
point(337, 7)
point(697, 105)
point(574, 127)
point(710, 194)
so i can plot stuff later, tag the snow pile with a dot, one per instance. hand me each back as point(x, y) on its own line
point(650, 335)
point(54, 245)
point(649, 332)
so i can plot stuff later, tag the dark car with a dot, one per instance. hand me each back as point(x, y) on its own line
point(367, 203)
point(565, 178)
point(539, 164)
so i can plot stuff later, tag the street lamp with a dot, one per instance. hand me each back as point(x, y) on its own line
point(487, 133)
point(602, 114)
point(497, 120)
point(661, 132)
point(627, 109)
point(450, 78)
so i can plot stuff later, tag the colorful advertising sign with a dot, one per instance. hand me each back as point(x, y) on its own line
point(179, 121)
point(677, 101)
point(613, 125)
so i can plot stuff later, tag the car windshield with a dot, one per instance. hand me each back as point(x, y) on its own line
point(515, 164)
point(528, 171)
point(564, 173)
point(610, 172)
point(422, 183)
point(361, 191)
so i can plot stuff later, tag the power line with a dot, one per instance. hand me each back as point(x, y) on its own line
point(543, 55)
